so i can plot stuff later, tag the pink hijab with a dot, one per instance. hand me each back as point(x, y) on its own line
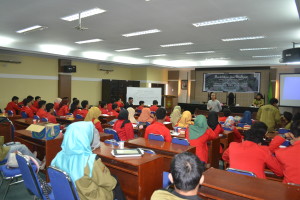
point(145, 116)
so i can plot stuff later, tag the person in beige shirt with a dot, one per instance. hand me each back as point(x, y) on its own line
point(269, 114)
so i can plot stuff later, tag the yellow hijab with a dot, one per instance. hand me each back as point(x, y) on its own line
point(185, 120)
point(131, 113)
point(94, 113)
point(175, 115)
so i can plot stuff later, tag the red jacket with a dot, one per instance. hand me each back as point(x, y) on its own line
point(41, 113)
point(140, 108)
point(28, 111)
point(158, 128)
point(153, 108)
point(56, 106)
point(289, 158)
point(63, 110)
point(222, 119)
point(34, 109)
point(201, 143)
point(77, 112)
point(36, 104)
point(237, 135)
point(50, 118)
point(109, 107)
point(84, 112)
point(13, 107)
point(98, 126)
point(120, 104)
point(125, 133)
point(252, 157)
point(115, 113)
point(103, 111)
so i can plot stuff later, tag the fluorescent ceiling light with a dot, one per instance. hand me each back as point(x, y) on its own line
point(255, 49)
point(292, 63)
point(141, 33)
point(32, 28)
point(221, 21)
point(88, 41)
point(177, 44)
point(83, 14)
point(131, 49)
point(129, 60)
point(56, 49)
point(158, 55)
point(243, 38)
point(198, 52)
point(267, 56)
point(175, 63)
point(96, 55)
point(6, 40)
point(213, 62)
point(220, 58)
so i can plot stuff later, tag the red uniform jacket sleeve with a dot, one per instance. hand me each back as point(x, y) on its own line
point(98, 126)
point(237, 135)
point(275, 143)
point(34, 109)
point(274, 165)
point(129, 131)
point(225, 155)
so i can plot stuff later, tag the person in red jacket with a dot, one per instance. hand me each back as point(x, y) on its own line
point(56, 103)
point(154, 107)
point(74, 109)
point(123, 126)
point(250, 155)
point(141, 106)
point(114, 112)
point(49, 114)
point(63, 108)
point(85, 108)
point(26, 108)
point(34, 109)
point(13, 105)
point(36, 102)
point(198, 135)
point(103, 107)
point(289, 157)
point(120, 103)
point(213, 123)
point(158, 127)
point(42, 106)
point(93, 116)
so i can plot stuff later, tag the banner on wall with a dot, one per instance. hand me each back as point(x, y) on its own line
point(231, 82)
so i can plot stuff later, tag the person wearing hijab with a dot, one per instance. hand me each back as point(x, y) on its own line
point(56, 103)
point(74, 109)
point(90, 176)
point(246, 118)
point(145, 116)
point(229, 125)
point(198, 135)
point(92, 116)
point(213, 123)
point(63, 108)
point(123, 126)
point(185, 120)
point(175, 115)
point(131, 112)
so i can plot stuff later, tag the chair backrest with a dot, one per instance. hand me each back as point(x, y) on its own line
point(157, 137)
point(78, 116)
point(166, 180)
point(44, 119)
point(62, 185)
point(36, 117)
point(243, 172)
point(10, 112)
point(181, 141)
point(113, 132)
point(283, 131)
point(29, 176)
point(24, 115)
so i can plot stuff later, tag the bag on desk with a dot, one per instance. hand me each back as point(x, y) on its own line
point(48, 131)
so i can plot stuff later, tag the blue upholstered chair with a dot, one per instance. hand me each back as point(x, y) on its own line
point(181, 141)
point(113, 132)
point(24, 115)
point(243, 172)
point(157, 137)
point(11, 175)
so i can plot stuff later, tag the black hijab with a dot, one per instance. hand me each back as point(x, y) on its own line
point(123, 115)
point(212, 120)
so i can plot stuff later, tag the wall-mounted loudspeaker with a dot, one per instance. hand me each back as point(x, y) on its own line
point(69, 68)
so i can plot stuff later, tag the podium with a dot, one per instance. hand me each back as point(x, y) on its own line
point(169, 101)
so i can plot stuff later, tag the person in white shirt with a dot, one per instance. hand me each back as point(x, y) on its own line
point(213, 104)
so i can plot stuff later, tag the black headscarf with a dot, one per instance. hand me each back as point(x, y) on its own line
point(123, 115)
point(212, 120)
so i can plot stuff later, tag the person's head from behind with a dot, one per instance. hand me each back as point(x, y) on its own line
point(85, 104)
point(74, 105)
point(295, 129)
point(141, 103)
point(37, 98)
point(130, 100)
point(15, 99)
point(274, 101)
point(30, 98)
point(155, 102)
point(115, 106)
point(50, 108)
point(161, 114)
point(123, 115)
point(103, 105)
point(42, 104)
point(226, 112)
point(74, 99)
point(186, 172)
point(213, 96)
point(256, 133)
point(288, 116)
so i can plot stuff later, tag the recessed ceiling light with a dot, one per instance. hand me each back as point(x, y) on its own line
point(6, 40)
point(221, 21)
point(32, 28)
point(88, 41)
point(158, 55)
point(96, 55)
point(255, 49)
point(131, 49)
point(267, 56)
point(56, 49)
point(83, 14)
point(141, 33)
point(197, 52)
point(177, 44)
point(243, 38)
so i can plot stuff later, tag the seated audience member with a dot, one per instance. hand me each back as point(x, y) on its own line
point(186, 175)
point(226, 113)
point(289, 157)
point(50, 111)
point(247, 118)
point(129, 103)
point(198, 135)
point(63, 108)
point(26, 108)
point(229, 125)
point(56, 103)
point(123, 126)
point(296, 117)
point(269, 114)
point(141, 105)
point(42, 107)
point(114, 110)
point(175, 115)
point(158, 127)
point(85, 108)
point(36, 102)
point(131, 118)
point(154, 107)
point(74, 109)
point(250, 155)
point(213, 123)
point(286, 120)
point(145, 116)
point(21, 104)
point(258, 101)
point(197, 112)
point(120, 103)
point(13, 105)
point(90, 176)
point(109, 106)
point(185, 120)
point(103, 107)
point(34, 109)
point(74, 99)
point(92, 116)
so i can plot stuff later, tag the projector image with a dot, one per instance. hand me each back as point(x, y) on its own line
point(290, 55)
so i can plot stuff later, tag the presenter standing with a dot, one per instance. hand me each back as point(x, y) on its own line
point(213, 104)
